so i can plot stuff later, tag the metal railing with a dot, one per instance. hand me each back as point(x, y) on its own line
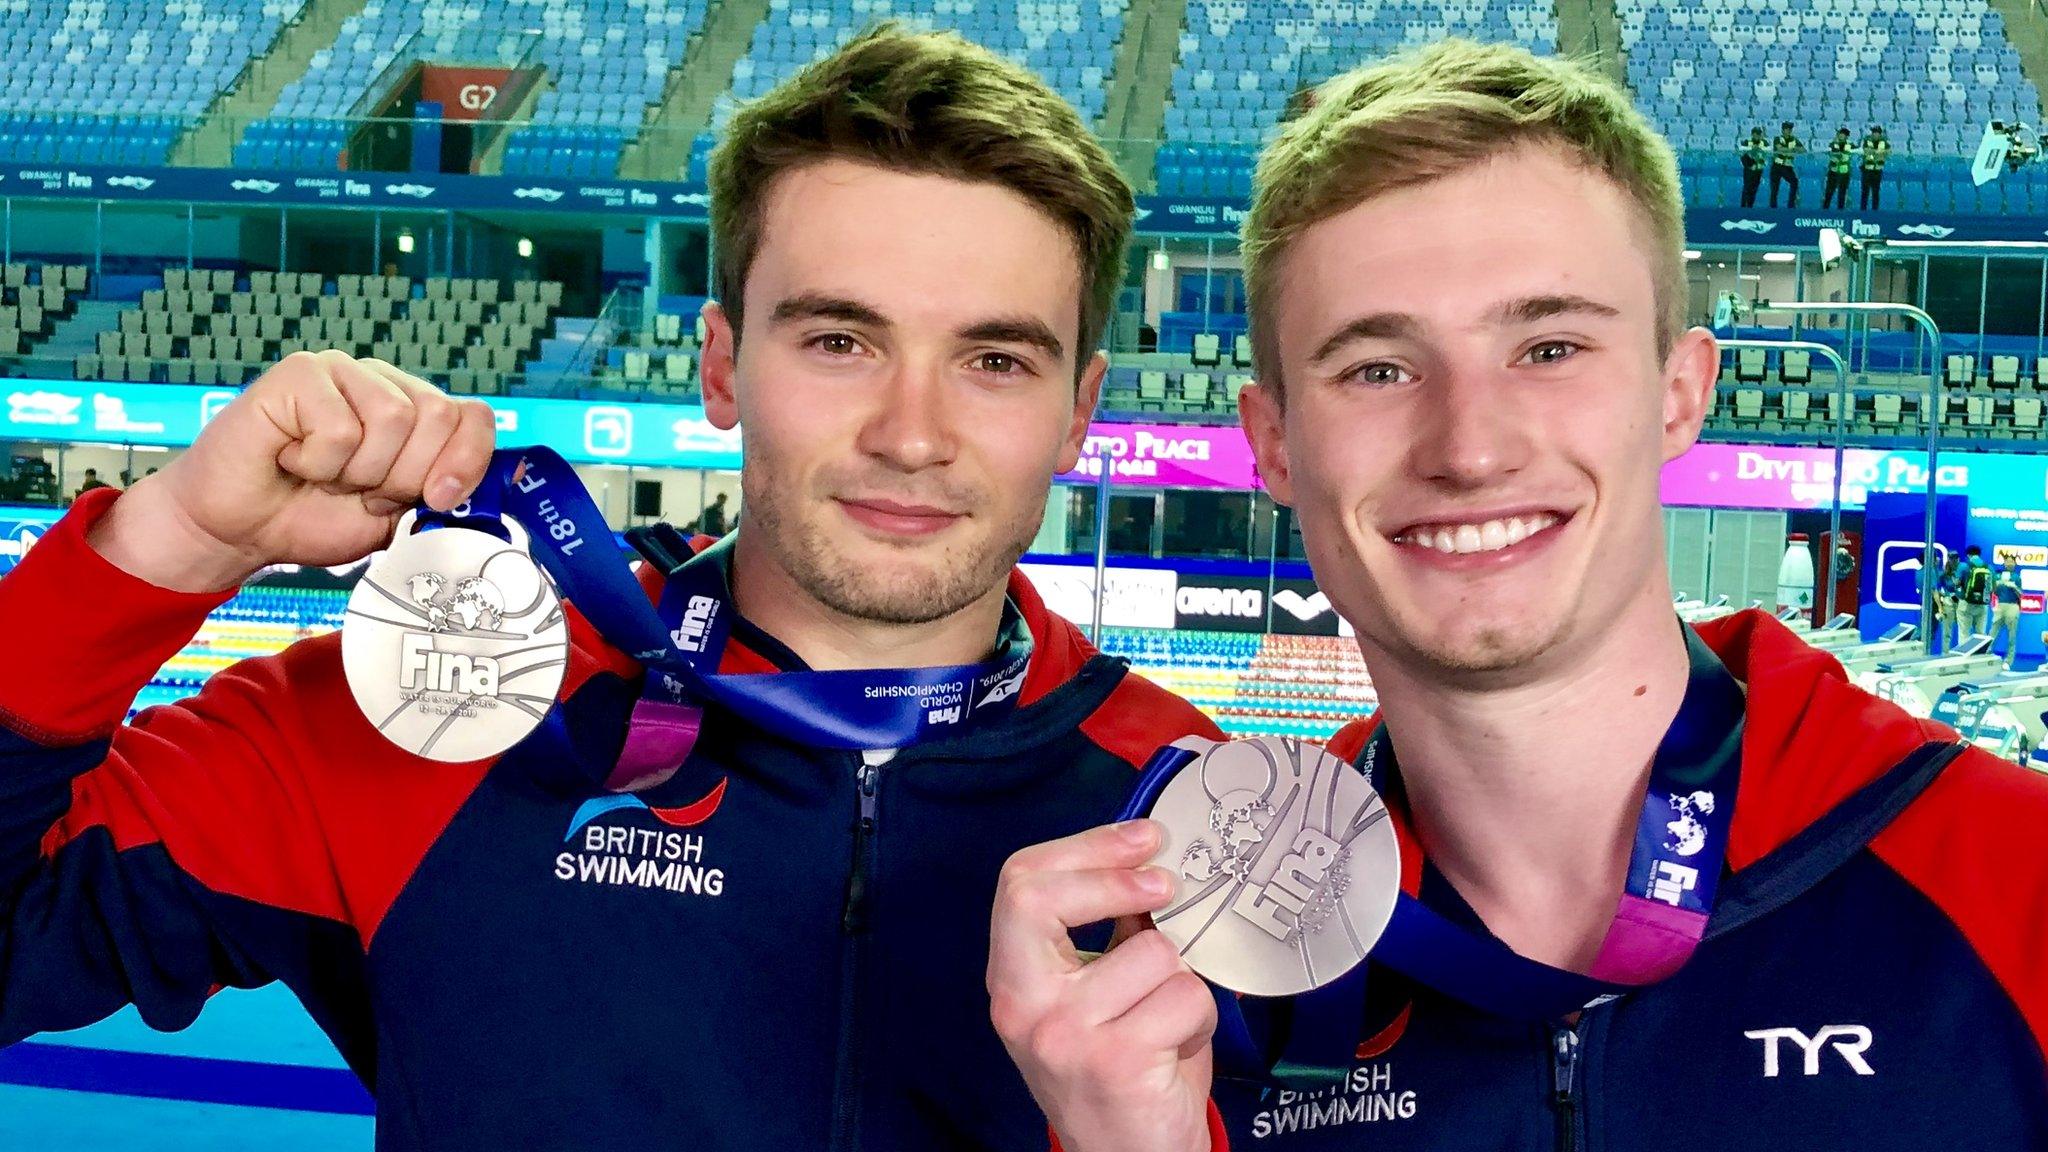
point(590, 355)
point(1840, 368)
point(496, 116)
point(1931, 413)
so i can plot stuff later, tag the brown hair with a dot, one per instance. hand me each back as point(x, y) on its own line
point(1433, 113)
point(925, 102)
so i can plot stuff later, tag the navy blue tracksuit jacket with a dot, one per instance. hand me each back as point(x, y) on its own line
point(777, 949)
point(1874, 977)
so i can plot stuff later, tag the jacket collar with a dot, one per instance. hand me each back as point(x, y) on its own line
point(1811, 739)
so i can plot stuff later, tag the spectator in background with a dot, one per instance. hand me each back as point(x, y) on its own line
point(1755, 153)
point(1841, 156)
point(1784, 150)
point(2005, 617)
point(711, 521)
point(92, 481)
point(1976, 596)
point(1947, 618)
point(1876, 150)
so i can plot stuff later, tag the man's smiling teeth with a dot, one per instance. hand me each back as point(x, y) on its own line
point(1486, 536)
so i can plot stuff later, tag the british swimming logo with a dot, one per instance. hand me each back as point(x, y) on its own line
point(625, 856)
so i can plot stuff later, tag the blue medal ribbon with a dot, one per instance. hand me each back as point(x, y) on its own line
point(1675, 866)
point(681, 638)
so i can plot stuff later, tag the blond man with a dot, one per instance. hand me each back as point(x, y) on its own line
point(1467, 289)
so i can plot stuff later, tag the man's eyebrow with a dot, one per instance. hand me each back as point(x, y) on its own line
point(1371, 326)
point(821, 306)
point(1025, 330)
point(1530, 309)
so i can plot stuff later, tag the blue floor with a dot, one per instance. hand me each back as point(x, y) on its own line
point(148, 1086)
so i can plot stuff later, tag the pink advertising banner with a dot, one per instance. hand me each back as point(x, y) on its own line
point(1167, 456)
point(1770, 476)
point(1765, 476)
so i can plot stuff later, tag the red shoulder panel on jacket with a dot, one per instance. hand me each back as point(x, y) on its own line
point(1810, 739)
point(271, 786)
point(1140, 716)
point(1058, 650)
point(1971, 844)
point(93, 633)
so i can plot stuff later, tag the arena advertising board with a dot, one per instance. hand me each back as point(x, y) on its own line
point(339, 189)
point(647, 435)
point(1772, 477)
point(1167, 455)
point(1166, 215)
point(1207, 597)
point(21, 525)
point(652, 435)
point(1712, 475)
point(171, 415)
point(1778, 227)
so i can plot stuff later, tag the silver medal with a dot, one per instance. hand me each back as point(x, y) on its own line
point(455, 645)
point(1287, 864)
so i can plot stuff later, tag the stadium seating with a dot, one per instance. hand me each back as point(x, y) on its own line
point(1069, 42)
point(606, 61)
point(1933, 72)
point(660, 359)
point(210, 327)
point(80, 71)
point(1241, 61)
point(33, 298)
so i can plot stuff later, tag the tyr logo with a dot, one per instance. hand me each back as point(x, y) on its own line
point(1850, 1040)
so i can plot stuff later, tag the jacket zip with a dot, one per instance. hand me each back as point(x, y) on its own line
point(1565, 1087)
point(853, 919)
point(853, 926)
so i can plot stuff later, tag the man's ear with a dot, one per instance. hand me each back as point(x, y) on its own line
point(1262, 414)
point(1087, 394)
point(1691, 370)
point(717, 369)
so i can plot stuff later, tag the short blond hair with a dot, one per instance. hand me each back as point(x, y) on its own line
point(1433, 113)
point(927, 103)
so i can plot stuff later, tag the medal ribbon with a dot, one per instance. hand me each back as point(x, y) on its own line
point(681, 639)
point(1675, 865)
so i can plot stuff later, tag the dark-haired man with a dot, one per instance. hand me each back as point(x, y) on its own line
point(774, 943)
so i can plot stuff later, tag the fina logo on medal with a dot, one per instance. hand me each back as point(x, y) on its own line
point(455, 644)
point(1287, 862)
point(476, 606)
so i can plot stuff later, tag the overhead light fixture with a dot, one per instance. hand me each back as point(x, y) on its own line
point(525, 248)
point(1159, 261)
point(1779, 257)
point(405, 241)
point(1692, 253)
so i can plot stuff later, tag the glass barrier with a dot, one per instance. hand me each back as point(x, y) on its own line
point(291, 144)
